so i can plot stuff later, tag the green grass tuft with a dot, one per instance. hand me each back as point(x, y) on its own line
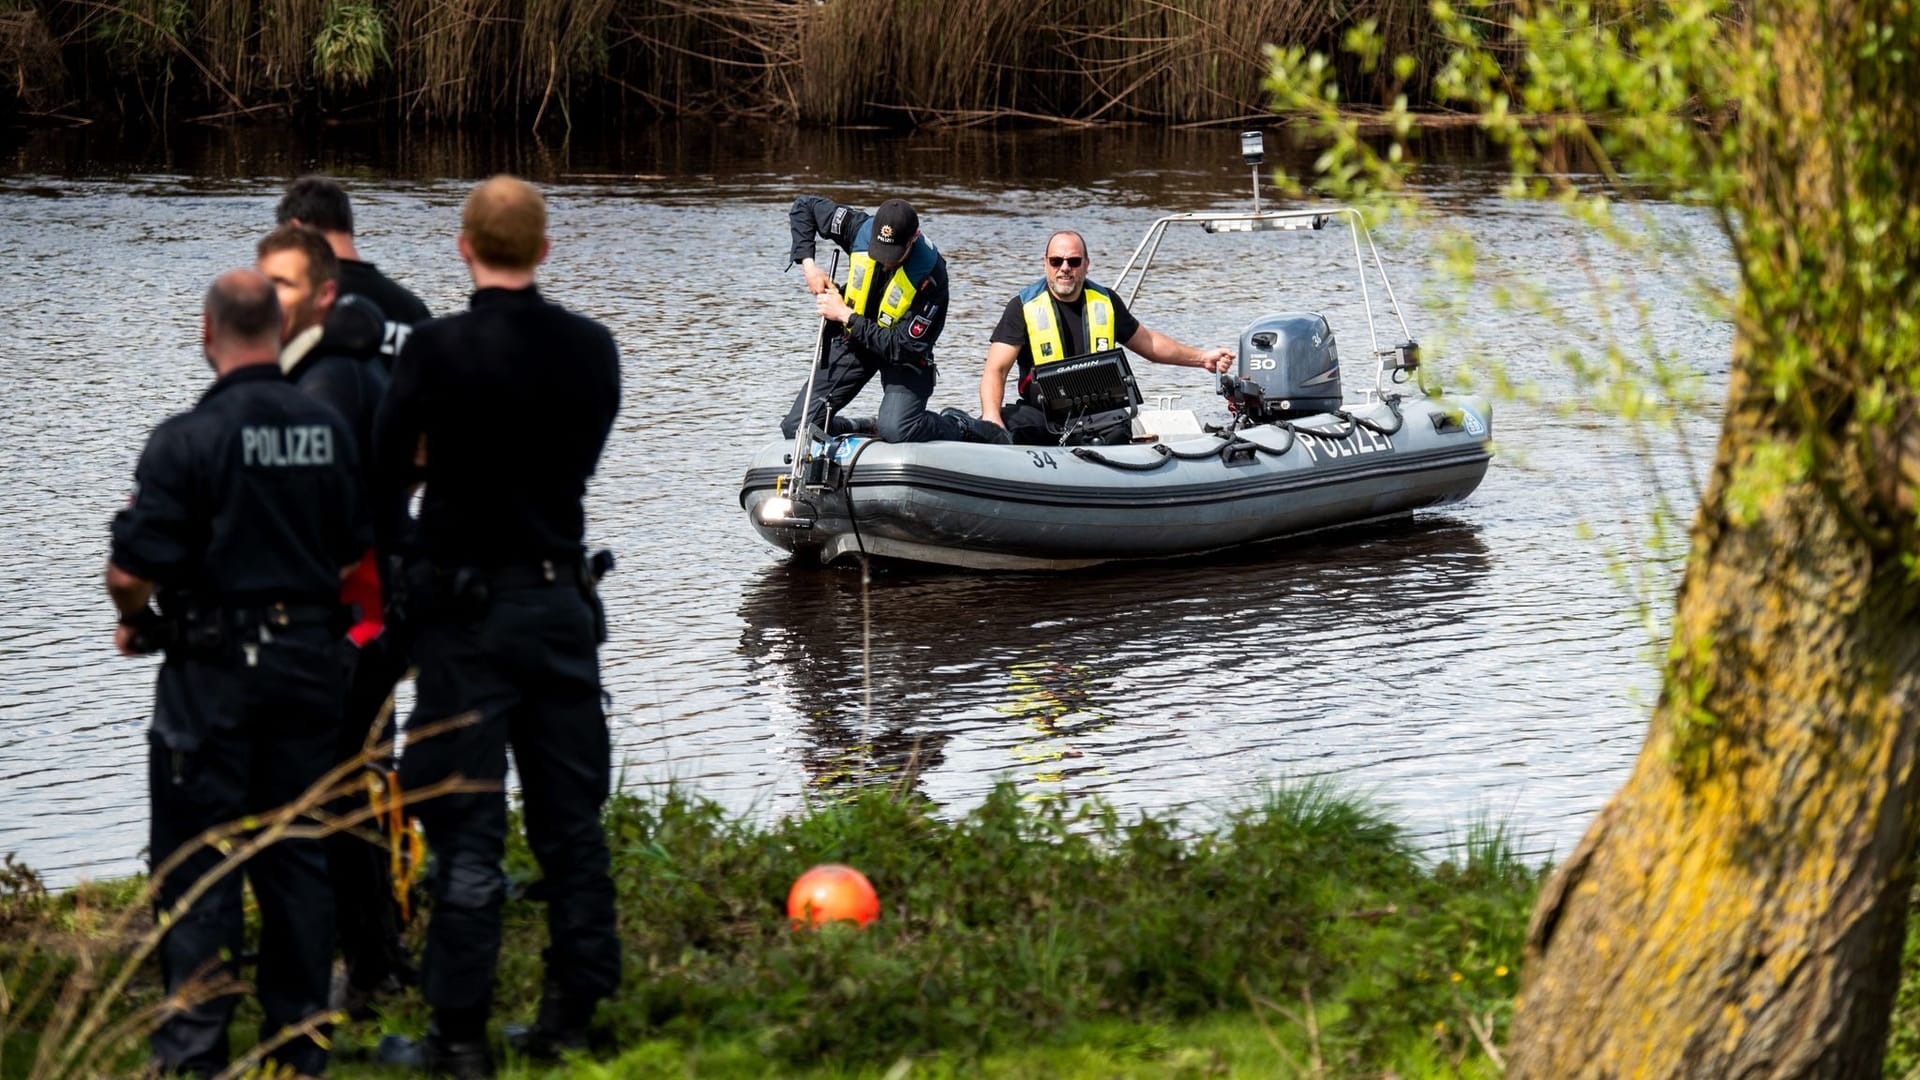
point(1031, 939)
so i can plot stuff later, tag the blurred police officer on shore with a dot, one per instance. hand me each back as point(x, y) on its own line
point(502, 410)
point(320, 203)
point(331, 351)
point(244, 516)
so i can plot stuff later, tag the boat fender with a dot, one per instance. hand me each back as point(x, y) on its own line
point(1088, 453)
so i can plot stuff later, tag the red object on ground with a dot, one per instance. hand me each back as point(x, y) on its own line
point(832, 893)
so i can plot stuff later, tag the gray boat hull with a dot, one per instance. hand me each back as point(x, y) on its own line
point(1011, 507)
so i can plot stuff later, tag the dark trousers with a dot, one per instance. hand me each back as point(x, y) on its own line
point(905, 388)
point(367, 917)
point(231, 740)
point(1027, 424)
point(527, 667)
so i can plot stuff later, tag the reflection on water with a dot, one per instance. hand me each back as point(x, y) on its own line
point(1117, 683)
point(1128, 160)
point(1479, 662)
point(1059, 702)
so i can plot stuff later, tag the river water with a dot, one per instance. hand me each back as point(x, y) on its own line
point(1482, 662)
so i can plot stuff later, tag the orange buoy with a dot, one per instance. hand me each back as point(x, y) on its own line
point(832, 893)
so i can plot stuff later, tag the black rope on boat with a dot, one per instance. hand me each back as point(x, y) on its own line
point(1392, 403)
point(1232, 434)
point(1348, 419)
point(1225, 442)
point(846, 488)
point(1232, 441)
point(1292, 437)
point(1088, 453)
point(1239, 451)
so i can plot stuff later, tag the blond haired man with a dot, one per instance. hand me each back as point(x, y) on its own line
point(502, 410)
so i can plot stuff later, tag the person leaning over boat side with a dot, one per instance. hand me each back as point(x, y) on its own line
point(244, 517)
point(318, 202)
point(331, 351)
point(1061, 316)
point(512, 400)
point(893, 309)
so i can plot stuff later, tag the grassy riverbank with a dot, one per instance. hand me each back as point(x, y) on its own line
point(519, 64)
point(1020, 940)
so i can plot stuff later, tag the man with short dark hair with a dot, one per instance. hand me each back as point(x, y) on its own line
point(885, 322)
point(320, 203)
point(326, 333)
point(503, 410)
point(1059, 317)
point(244, 516)
point(332, 352)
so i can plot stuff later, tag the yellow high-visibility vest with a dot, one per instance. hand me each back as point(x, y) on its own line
point(899, 295)
point(1043, 330)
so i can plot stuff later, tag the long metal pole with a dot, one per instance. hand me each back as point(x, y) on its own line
point(806, 398)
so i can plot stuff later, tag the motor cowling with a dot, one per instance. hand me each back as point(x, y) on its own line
point(1288, 367)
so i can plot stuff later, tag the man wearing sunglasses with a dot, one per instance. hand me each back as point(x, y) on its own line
point(1061, 316)
point(884, 322)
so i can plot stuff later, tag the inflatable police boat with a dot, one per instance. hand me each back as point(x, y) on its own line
point(1293, 457)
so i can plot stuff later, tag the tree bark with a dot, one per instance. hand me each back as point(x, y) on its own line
point(1738, 909)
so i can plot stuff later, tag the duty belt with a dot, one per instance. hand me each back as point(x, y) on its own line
point(427, 590)
point(544, 572)
point(584, 572)
point(284, 615)
point(212, 631)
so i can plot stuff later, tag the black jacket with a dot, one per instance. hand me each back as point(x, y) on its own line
point(909, 340)
point(398, 305)
point(250, 497)
point(514, 397)
point(343, 368)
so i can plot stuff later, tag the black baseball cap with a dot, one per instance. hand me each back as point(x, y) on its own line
point(894, 227)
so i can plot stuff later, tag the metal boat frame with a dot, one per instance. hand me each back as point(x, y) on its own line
point(1394, 359)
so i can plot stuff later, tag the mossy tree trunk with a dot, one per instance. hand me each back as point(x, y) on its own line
point(1738, 909)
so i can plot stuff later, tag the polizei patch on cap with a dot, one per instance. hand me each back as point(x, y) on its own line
point(886, 234)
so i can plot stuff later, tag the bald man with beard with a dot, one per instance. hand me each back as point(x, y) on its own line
point(502, 411)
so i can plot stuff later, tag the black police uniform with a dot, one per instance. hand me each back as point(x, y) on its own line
point(901, 354)
point(336, 368)
point(1024, 418)
point(342, 367)
point(515, 398)
point(244, 510)
point(402, 308)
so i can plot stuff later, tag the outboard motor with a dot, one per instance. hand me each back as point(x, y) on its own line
point(1288, 368)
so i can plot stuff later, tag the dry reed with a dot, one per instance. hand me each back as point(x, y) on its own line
point(30, 63)
point(86, 1021)
point(894, 62)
